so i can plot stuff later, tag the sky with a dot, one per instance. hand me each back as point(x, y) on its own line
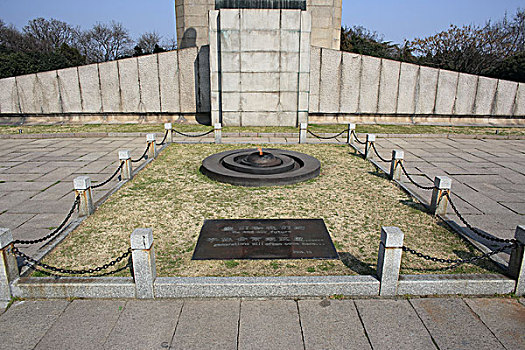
point(394, 19)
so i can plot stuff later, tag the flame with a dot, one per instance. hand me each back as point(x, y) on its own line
point(260, 151)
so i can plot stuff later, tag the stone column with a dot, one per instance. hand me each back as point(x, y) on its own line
point(8, 266)
point(218, 132)
point(349, 137)
point(395, 165)
point(389, 259)
point(517, 261)
point(302, 132)
point(125, 156)
point(152, 147)
point(370, 139)
point(143, 256)
point(169, 129)
point(439, 201)
point(82, 186)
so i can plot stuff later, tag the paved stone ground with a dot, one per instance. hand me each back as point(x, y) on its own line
point(430, 323)
point(36, 178)
point(488, 177)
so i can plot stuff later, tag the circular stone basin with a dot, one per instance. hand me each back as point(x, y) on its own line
point(248, 167)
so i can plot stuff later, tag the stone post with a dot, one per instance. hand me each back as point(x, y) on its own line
point(169, 129)
point(152, 147)
point(517, 261)
point(439, 201)
point(143, 256)
point(349, 137)
point(125, 156)
point(218, 132)
point(82, 186)
point(389, 259)
point(302, 132)
point(370, 139)
point(8, 266)
point(395, 165)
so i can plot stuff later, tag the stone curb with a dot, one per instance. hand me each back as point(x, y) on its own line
point(252, 134)
point(260, 287)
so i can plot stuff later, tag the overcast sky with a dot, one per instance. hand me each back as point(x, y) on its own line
point(395, 19)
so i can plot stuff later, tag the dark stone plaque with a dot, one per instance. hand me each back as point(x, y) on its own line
point(264, 239)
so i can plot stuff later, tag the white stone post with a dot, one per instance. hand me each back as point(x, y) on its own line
point(152, 147)
point(302, 132)
point(439, 200)
point(395, 165)
point(370, 139)
point(8, 266)
point(517, 261)
point(218, 132)
point(349, 137)
point(169, 129)
point(389, 259)
point(125, 156)
point(143, 256)
point(82, 186)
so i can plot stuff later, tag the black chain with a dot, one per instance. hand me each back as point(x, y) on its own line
point(144, 155)
point(377, 153)
point(358, 141)
point(411, 180)
point(198, 135)
point(33, 261)
point(111, 177)
point(456, 262)
point(55, 231)
point(475, 230)
point(47, 273)
point(326, 137)
point(164, 139)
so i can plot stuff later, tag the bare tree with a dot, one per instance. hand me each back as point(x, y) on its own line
point(49, 35)
point(169, 43)
point(105, 42)
point(148, 41)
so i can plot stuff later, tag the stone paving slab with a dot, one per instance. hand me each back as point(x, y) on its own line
point(504, 317)
point(453, 325)
point(85, 324)
point(207, 324)
point(271, 324)
point(393, 324)
point(25, 323)
point(331, 324)
point(145, 324)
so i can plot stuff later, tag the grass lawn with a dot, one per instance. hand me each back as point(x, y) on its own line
point(375, 128)
point(173, 198)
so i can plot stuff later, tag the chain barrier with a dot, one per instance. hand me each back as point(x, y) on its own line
point(163, 140)
point(475, 230)
point(357, 139)
point(55, 231)
point(379, 156)
point(144, 155)
point(326, 137)
point(111, 177)
point(35, 262)
point(47, 273)
point(411, 180)
point(455, 262)
point(190, 135)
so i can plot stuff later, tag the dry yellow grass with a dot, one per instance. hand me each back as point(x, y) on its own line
point(173, 198)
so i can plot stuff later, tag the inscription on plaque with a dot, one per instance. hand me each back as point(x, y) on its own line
point(264, 239)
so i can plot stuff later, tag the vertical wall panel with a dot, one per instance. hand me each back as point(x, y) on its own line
point(29, 93)
point(466, 94)
point(370, 75)
point(69, 90)
point(505, 96)
point(129, 85)
point(169, 81)
point(187, 65)
point(330, 81)
point(149, 82)
point(485, 95)
point(407, 88)
point(110, 86)
point(350, 75)
point(519, 108)
point(388, 87)
point(48, 85)
point(446, 92)
point(8, 96)
point(315, 79)
point(90, 88)
point(427, 84)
